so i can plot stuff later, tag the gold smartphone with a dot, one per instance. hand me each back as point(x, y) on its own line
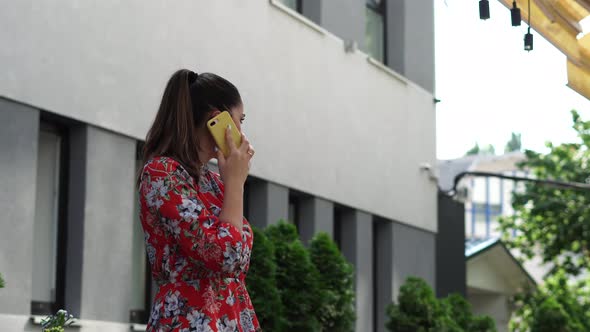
point(217, 127)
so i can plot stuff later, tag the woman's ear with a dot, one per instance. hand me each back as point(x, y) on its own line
point(215, 112)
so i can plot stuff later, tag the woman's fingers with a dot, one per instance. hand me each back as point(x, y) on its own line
point(229, 140)
point(245, 143)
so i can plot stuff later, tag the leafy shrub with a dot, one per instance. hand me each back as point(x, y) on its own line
point(262, 284)
point(297, 279)
point(337, 281)
point(419, 310)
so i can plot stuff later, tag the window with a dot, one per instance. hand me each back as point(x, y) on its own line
point(483, 220)
point(293, 4)
point(338, 216)
point(49, 234)
point(375, 29)
point(294, 210)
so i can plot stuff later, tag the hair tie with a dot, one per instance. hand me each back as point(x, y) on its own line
point(192, 77)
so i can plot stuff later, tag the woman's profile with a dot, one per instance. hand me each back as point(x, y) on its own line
point(197, 240)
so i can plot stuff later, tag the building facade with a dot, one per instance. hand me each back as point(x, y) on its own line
point(340, 104)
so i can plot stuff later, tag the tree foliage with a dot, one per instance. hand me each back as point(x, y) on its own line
point(418, 310)
point(297, 279)
point(560, 305)
point(473, 151)
point(262, 284)
point(336, 278)
point(514, 144)
point(485, 150)
point(549, 221)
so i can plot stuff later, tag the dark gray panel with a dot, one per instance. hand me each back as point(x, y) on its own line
point(76, 208)
point(383, 233)
point(356, 236)
point(312, 9)
point(268, 203)
point(413, 255)
point(450, 247)
point(315, 215)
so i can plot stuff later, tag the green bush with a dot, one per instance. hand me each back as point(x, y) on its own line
point(337, 281)
point(1, 282)
point(297, 279)
point(262, 284)
point(550, 317)
point(558, 305)
point(418, 310)
point(458, 309)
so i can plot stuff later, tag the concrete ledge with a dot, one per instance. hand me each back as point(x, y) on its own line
point(387, 70)
point(277, 4)
point(138, 327)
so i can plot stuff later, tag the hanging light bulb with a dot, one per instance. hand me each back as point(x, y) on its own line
point(528, 37)
point(484, 9)
point(528, 41)
point(515, 14)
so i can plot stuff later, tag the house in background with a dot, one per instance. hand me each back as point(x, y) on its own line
point(493, 273)
point(494, 276)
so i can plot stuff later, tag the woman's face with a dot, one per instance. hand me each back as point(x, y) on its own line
point(207, 142)
point(237, 114)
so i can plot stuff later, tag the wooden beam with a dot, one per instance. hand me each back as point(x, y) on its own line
point(585, 4)
point(578, 79)
point(573, 9)
point(565, 10)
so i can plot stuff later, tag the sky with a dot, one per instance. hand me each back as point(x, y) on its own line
point(490, 87)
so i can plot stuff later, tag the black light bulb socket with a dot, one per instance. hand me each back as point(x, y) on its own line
point(528, 41)
point(515, 14)
point(484, 9)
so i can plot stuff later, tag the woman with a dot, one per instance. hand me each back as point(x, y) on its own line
point(198, 242)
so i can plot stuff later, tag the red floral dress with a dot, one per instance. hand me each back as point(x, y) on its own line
point(198, 261)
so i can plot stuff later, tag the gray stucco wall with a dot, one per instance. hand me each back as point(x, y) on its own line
point(413, 255)
point(107, 277)
point(19, 134)
point(99, 276)
point(288, 74)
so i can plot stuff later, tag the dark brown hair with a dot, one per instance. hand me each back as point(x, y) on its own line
point(187, 101)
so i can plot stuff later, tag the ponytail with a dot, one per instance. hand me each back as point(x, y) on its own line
point(173, 133)
point(187, 101)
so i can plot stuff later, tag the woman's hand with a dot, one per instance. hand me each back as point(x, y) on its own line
point(234, 171)
point(235, 167)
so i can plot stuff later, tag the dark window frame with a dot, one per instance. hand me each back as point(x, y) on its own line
point(59, 126)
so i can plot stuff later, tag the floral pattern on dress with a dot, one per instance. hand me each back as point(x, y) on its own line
point(198, 261)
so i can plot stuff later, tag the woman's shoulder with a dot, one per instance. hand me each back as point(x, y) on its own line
point(159, 164)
